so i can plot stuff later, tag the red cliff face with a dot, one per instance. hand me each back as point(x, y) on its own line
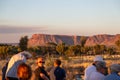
point(42, 39)
point(108, 40)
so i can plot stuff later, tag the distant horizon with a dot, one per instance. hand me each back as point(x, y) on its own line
point(55, 34)
point(63, 17)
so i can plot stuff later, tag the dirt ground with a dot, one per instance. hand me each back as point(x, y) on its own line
point(72, 65)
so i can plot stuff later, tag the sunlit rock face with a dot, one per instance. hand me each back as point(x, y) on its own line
point(43, 39)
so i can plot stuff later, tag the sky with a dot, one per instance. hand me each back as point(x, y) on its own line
point(20, 18)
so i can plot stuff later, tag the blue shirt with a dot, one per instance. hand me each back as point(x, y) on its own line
point(112, 76)
point(57, 73)
point(60, 73)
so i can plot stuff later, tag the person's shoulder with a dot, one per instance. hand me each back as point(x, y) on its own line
point(61, 69)
point(89, 66)
point(36, 69)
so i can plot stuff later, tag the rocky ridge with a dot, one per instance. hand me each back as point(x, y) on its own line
point(43, 39)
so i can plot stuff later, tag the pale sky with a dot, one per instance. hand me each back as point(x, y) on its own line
point(63, 17)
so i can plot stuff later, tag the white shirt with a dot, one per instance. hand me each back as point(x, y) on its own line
point(88, 71)
point(13, 65)
point(96, 76)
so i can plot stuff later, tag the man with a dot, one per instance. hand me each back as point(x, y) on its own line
point(57, 73)
point(92, 68)
point(100, 72)
point(40, 73)
point(114, 69)
point(14, 62)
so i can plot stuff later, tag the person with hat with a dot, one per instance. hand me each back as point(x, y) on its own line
point(92, 68)
point(14, 62)
point(100, 72)
point(114, 70)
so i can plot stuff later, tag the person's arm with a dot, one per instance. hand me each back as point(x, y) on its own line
point(43, 76)
point(64, 74)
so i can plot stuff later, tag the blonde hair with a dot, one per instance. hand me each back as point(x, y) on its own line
point(24, 72)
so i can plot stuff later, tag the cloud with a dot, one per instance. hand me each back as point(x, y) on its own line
point(4, 29)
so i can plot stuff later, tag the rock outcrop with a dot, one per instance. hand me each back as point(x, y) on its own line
point(43, 39)
point(103, 39)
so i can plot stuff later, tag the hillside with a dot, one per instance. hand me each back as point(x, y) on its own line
point(42, 39)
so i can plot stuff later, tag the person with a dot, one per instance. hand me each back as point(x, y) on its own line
point(114, 70)
point(15, 60)
point(100, 72)
point(57, 73)
point(4, 70)
point(40, 73)
point(92, 68)
point(24, 72)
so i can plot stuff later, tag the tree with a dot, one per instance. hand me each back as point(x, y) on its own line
point(23, 43)
point(96, 49)
point(111, 50)
point(118, 44)
point(60, 48)
point(83, 40)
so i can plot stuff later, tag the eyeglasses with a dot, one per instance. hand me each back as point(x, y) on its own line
point(41, 62)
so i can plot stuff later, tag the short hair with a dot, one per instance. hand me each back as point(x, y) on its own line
point(58, 62)
point(100, 64)
point(24, 72)
point(115, 68)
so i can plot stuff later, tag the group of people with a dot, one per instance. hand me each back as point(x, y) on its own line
point(17, 69)
point(56, 73)
point(99, 71)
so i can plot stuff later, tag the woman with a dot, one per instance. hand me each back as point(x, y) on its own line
point(24, 72)
point(40, 73)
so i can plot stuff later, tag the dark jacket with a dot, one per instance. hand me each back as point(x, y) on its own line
point(57, 73)
point(4, 71)
point(38, 71)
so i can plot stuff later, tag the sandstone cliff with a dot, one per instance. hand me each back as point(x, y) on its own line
point(42, 39)
point(103, 39)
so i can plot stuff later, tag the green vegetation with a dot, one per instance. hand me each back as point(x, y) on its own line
point(23, 43)
point(59, 49)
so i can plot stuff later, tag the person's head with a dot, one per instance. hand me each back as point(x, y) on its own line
point(24, 72)
point(101, 67)
point(98, 58)
point(26, 54)
point(40, 61)
point(57, 62)
point(115, 68)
